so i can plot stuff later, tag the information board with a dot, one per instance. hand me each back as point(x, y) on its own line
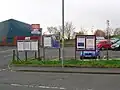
point(20, 46)
point(81, 42)
point(29, 45)
point(47, 41)
point(90, 43)
point(85, 42)
point(34, 45)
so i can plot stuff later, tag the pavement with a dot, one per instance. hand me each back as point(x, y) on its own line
point(67, 70)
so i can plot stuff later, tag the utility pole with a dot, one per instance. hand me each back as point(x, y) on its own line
point(108, 38)
point(62, 49)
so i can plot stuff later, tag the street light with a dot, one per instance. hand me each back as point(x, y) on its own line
point(108, 37)
point(62, 49)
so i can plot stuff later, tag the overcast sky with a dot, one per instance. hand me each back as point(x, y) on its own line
point(85, 13)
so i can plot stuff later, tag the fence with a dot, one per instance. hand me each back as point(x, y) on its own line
point(69, 53)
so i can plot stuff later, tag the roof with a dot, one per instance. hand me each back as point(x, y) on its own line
point(12, 27)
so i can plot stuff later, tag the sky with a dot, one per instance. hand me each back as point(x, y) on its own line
point(82, 13)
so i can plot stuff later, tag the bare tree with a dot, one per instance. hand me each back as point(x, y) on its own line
point(68, 29)
point(53, 30)
point(117, 31)
point(110, 32)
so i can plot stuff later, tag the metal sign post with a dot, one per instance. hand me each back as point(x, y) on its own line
point(62, 48)
point(108, 38)
point(37, 31)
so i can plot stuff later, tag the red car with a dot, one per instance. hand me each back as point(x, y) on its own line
point(105, 44)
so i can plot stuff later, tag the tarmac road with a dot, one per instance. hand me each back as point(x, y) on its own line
point(57, 81)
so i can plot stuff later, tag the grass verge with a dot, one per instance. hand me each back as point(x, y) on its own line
point(69, 63)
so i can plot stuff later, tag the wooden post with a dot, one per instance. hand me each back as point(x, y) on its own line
point(43, 53)
point(13, 55)
point(26, 57)
point(17, 55)
point(75, 54)
point(35, 54)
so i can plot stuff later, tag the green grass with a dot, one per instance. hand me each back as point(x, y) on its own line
point(70, 63)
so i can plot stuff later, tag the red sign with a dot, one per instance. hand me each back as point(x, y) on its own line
point(31, 38)
point(35, 26)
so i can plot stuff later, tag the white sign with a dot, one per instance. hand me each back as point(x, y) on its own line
point(81, 43)
point(34, 45)
point(90, 43)
point(27, 46)
point(35, 32)
point(20, 46)
point(27, 38)
point(47, 42)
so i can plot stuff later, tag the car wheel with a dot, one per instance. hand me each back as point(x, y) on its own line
point(98, 57)
point(102, 48)
point(81, 57)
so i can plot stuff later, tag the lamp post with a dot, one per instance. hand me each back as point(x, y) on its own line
point(108, 38)
point(62, 49)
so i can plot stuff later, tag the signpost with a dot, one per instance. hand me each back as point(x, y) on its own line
point(85, 43)
point(37, 31)
point(25, 44)
point(51, 41)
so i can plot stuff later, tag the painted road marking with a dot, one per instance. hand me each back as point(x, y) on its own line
point(6, 50)
point(8, 55)
point(3, 70)
point(33, 86)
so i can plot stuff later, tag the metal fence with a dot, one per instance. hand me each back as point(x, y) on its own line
point(69, 53)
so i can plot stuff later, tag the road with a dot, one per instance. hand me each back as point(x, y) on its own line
point(10, 80)
point(56, 81)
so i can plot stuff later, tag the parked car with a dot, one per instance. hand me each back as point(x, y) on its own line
point(116, 46)
point(90, 54)
point(114, 40)
point(105, 44)
point(98, 39)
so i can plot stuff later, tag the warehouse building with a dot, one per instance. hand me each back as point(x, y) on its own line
point(11, 29)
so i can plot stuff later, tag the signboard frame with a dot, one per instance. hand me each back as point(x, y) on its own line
point(44, 36)
point(44, 47)
point(85, 36)
point(35, 26)
point(30, 41)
